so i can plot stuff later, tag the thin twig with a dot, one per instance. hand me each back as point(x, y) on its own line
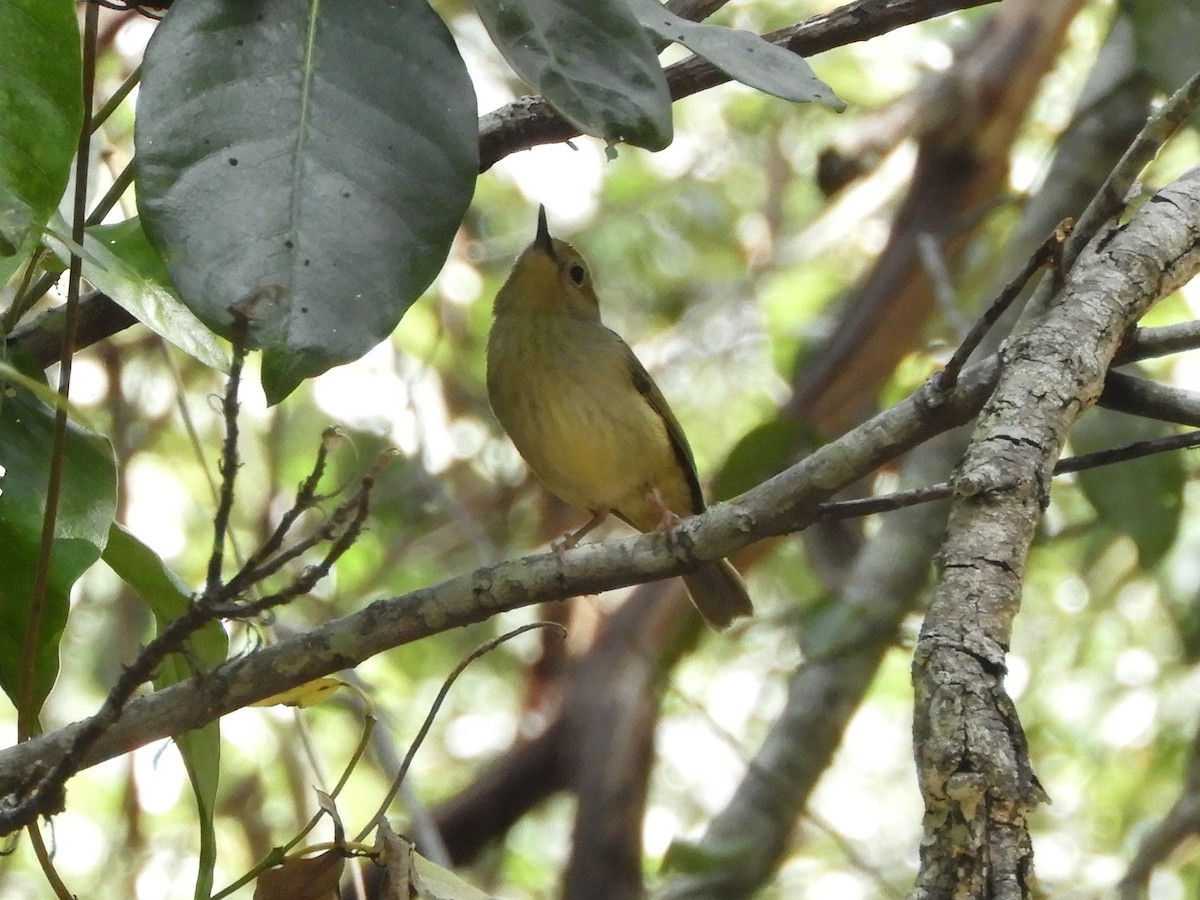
point(1112, 196)
point(118, 188)
point(229, 453)
point(1181, 822)
point(933, 261)
point(436, 707)
point(1124, 453)
point(868, 506)
point(306, 498)
point(26, 714)
point(356, 509)
point(44, 790)
point(110, 105)
point(1150, 399)
point(1048, 254)
point(276, 854)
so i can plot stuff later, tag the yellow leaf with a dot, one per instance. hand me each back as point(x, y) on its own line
point(308, 694)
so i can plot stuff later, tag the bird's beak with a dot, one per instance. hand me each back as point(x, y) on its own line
point(543, 240)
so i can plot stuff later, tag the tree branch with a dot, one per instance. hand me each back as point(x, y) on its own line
point(785, 503)
point(972, 758)
point(530, 121)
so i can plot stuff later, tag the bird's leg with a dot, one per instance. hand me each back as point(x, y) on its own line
point(571, 538)
point(668, 519)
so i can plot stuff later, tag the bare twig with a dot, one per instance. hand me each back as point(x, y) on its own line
point(1146, 343)
point(356, 509)
point(1150, 399)
point(1113, 195)
point(436, 707)
point(229, 454)
point(1048, 254)
point(277, 854)
point(868, 506)
point(255, 568)
point(1127, 452)
point(929, 249)
point(41, 792)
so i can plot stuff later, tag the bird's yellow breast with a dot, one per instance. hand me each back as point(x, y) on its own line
point(562, 389)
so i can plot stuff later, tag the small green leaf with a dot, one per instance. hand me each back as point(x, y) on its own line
point(167, 597)
point(41, 113)
point(119, 260)
point(591, 61)
point(316, 158)
point(1141, 498)
point(86, 507)
point(742, 55)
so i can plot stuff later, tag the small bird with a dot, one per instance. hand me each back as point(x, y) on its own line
point(586, 415)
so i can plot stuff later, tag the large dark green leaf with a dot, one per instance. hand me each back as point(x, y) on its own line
point(41, 113)
point(168, 598)
point(741, 55)
point(85, 511)
point(591, 61)
point(312, 160)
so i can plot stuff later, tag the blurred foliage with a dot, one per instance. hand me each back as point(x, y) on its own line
point(722, 263)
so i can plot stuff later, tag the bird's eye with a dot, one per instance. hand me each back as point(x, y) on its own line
point(578, 273)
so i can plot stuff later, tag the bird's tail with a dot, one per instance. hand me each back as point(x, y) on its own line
point(719, 593)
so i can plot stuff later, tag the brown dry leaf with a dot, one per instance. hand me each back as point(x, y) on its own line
point(312, 878)
point(409, 874)
point(397, 858)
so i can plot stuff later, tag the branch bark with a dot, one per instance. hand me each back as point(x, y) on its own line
point(973, 762)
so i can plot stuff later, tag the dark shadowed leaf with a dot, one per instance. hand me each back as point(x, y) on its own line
point(591, 61)
point(310, 160)
point(762, 452)
point(85, 512)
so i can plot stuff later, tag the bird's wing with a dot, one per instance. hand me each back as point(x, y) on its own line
point(683, 452)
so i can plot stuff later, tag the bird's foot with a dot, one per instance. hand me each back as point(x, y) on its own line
point(668, 519)
point(571, 538)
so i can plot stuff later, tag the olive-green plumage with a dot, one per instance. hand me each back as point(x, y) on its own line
point(586, 415)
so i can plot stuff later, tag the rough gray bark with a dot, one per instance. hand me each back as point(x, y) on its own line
point(973, 763)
